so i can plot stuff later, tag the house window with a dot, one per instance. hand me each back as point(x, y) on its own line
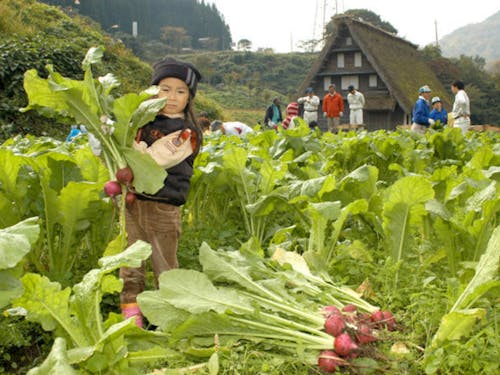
point(348, 41)
point(358, 61)
point(346, 81)
point(327, 81)
point(340, 60)
point(373, 81)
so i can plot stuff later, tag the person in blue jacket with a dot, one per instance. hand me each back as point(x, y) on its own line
point(74, 132)
point(438, 113)
point(421, 111)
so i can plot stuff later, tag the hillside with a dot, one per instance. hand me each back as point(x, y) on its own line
point(33, 35)
point(282, 72)
point(475, 39)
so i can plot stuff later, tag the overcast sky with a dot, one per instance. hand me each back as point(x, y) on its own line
point(282, 24)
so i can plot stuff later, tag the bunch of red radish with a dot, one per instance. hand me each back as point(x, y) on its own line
point(124, 176)
point(351, 330)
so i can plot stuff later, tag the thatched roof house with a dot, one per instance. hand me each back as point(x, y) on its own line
point(387, 69)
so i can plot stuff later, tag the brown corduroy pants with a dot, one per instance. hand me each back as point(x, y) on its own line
point(160, 225)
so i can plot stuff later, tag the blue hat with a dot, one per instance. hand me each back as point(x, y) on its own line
point(423, 89)
point(309, 90)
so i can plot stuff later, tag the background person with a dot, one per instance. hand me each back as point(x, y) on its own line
point(333, 108)
point(461, 107)
point(421, 111)
point(231, 128)
point(292, 111)
point(311, 104)
point(204, 122)
point(438, 113)
point(73, 133)
point(273, 115)
point(356, 102)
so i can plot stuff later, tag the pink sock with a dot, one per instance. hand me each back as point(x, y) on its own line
point(130, 310)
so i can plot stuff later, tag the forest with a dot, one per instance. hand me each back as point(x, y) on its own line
point(167, 20)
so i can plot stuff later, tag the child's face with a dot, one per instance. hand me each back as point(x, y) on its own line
point(177, 93)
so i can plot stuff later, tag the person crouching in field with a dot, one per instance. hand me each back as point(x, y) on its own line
point(292, 111)
point(173, 140)
point(438, 113)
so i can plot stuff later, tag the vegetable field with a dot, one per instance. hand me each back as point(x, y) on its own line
point(301, 253)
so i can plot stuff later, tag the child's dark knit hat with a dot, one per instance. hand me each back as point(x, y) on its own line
point(170, 67)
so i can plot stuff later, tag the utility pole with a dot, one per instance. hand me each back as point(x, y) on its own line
point(436, 28)
point(315, 20)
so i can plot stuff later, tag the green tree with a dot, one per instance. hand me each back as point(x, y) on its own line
point(366, 16)
point(176, 37)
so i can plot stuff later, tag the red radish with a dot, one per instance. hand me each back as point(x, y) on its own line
point(377, 317)
point(365, 334)
point(328, 361)
point(125, 176)
point(350, 308)
point(329, 310)
point(130, 198)
point(112, 188)
point(389, 320)
point(364, 318)
point(335, 324)
point(344, 345)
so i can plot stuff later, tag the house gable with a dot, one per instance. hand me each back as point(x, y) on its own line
point(387, 69)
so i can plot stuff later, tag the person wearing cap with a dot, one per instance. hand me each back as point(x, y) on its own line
point(461, 107)
point(231, 128)
point(311, 104)
point(356, 102)
point(438, 113)
point(273, 115)
point(292, 111)
point(172, 140)
point(333, 108)
point(421, 111)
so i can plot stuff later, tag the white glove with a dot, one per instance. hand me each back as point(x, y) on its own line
point(95, 144)
point(324, 114)
point(169, 150)
point(431, 121)
point(341, 114)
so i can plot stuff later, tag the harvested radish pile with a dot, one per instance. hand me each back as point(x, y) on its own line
point(247, 298)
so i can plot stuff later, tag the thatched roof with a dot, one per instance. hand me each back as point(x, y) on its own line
point(397, 61)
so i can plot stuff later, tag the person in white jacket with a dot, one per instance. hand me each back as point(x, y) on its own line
point(311, 104)
point(231, 128)
point(461, 107)
point(356, 102)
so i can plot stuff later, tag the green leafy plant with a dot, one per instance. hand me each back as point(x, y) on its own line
point(112, 121)
point(85, 339)
point(15, 243)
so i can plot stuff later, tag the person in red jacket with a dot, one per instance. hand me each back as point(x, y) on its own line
point(333, 108)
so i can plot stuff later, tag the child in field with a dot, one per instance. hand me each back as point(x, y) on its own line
point(292, 111)
point(173, 140)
